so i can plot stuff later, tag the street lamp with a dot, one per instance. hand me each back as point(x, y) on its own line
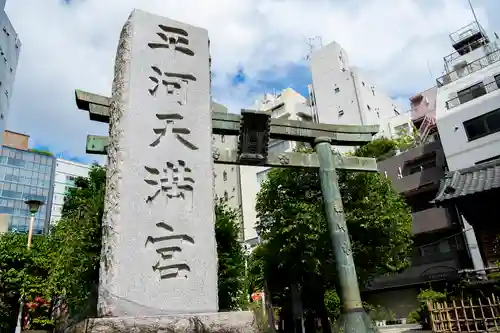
point(33, 206)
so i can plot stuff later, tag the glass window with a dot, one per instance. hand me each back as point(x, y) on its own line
point(11, 194)
point(19, 155)
point(3, 159)
point(471, 93)
point(483, 125)
point(37, 158)
point(29, 157)
point(12, 153)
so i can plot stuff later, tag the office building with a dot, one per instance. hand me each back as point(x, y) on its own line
point(10, 47)
point(66, 172)
point(25, 175)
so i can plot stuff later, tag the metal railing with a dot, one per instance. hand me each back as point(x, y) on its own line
point(466, 32)
point(466, 49)
point(472, 94)
point(474, 66)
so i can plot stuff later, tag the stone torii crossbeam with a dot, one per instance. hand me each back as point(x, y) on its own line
point(159, 182)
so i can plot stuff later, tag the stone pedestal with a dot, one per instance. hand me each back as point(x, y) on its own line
point(222, 322)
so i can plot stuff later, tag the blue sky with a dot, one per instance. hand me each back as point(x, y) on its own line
point(71, 45)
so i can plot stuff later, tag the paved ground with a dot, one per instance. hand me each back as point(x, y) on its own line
point(408, 328)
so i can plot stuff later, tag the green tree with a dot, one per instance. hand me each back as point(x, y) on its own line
point(23, 273)
point(298, 245)
point(77, 236)
point(231, 258)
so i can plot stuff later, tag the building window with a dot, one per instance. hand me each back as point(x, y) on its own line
point(222, 138)
point(484, 125)
point(337, 90)
point(420, 164)
point(341, 113)
point(471, 93)
point(497, 80)
point(226, 196)
point(224, 175)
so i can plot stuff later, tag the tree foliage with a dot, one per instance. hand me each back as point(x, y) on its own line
point(23, 273)
point(298, 247)
point(77, 235)
point(231, 258)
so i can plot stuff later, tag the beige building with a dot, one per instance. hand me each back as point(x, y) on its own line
point(15, 140)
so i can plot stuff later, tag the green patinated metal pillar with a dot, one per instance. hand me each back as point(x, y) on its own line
point(353, 318)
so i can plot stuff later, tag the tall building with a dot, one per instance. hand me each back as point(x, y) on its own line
point(66, 172)
point(468, 108)
point(468, 99)
point(25, 175)
point(10, 46)
point(341, 94)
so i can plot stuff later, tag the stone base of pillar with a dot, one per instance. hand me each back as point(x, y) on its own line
point(222, 322)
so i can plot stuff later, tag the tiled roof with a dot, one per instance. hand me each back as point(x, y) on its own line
point(479, 178)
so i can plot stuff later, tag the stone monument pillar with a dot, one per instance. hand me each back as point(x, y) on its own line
point(159, 243)
point(159, 257)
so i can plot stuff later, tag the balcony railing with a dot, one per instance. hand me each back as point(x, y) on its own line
point(466, 32)
point(472, 94)
point(463, 50)
point(474, 66)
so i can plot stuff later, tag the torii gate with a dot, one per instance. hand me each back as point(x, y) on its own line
point(255, 129)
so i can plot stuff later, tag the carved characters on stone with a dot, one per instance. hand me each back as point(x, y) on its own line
point(173, 180)
point(169, 126)
point(175, 85)
point(175, 39)
point(169, 249)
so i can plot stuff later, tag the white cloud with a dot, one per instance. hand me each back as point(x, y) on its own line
point(73, 46)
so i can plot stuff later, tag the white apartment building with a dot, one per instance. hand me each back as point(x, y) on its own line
point(288, 104)
point(468, 108)
point(340, 94)
point(468, 99)
point(65, 176)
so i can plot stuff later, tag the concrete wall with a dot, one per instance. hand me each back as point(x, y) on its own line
point(9, 54)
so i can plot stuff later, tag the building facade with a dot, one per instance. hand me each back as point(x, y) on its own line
point(10, 47)
point(340, 94)
point(25, 175)
point(468, 108)
point(468, 99)
point(66, 172)
point(439, 250)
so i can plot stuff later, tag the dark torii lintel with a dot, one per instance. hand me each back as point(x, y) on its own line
point(230, 124)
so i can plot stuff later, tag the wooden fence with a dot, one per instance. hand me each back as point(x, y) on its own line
point(483, 315)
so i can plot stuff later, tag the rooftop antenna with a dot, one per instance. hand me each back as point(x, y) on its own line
point(473, 12)
point(430, 71)
point(313, 44)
